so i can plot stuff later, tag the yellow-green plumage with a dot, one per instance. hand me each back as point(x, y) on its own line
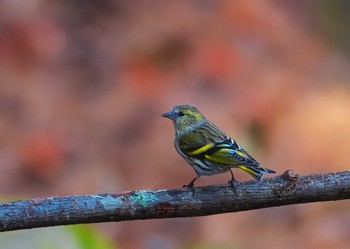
point(207, 148)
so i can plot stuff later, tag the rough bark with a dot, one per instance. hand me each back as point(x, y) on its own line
point(286, 189)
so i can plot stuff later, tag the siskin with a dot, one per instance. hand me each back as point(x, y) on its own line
point(207, 148)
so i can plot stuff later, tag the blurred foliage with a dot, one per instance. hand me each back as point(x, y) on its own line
point(88, 238)
point(326, 18)
point(69, 237)
point(333, 16)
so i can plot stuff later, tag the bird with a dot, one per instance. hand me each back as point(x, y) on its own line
point(207, 148)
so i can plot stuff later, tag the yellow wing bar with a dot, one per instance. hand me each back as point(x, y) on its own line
point(201, 149)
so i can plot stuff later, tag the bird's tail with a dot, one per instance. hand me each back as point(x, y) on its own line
point(256, 172)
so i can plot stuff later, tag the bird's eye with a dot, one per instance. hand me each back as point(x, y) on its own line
point(181, 114)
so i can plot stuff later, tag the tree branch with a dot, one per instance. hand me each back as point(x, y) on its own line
point(286, 189)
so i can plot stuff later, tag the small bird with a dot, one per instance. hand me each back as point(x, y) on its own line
point(207, 148)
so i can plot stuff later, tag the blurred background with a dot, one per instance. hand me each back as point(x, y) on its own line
point(83, 85)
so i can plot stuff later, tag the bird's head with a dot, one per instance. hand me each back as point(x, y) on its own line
point(185, 117)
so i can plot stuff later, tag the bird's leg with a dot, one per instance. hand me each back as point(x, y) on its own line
point(232, 181)
point(190, 185)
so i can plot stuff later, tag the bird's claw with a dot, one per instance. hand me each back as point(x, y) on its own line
point(233, 182)
point(187, 186)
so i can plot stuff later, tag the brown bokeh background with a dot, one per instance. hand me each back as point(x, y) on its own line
point(83, 85)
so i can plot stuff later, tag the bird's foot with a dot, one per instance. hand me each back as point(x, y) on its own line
point(233, 184)
point(190, 185)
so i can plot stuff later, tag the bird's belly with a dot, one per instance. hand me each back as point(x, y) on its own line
point(207, 168)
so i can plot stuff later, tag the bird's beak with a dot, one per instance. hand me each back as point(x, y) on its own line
point(168, 115)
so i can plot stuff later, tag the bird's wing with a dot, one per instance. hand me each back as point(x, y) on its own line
point(216, 148)
point(229, 152)
point(200, 139)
